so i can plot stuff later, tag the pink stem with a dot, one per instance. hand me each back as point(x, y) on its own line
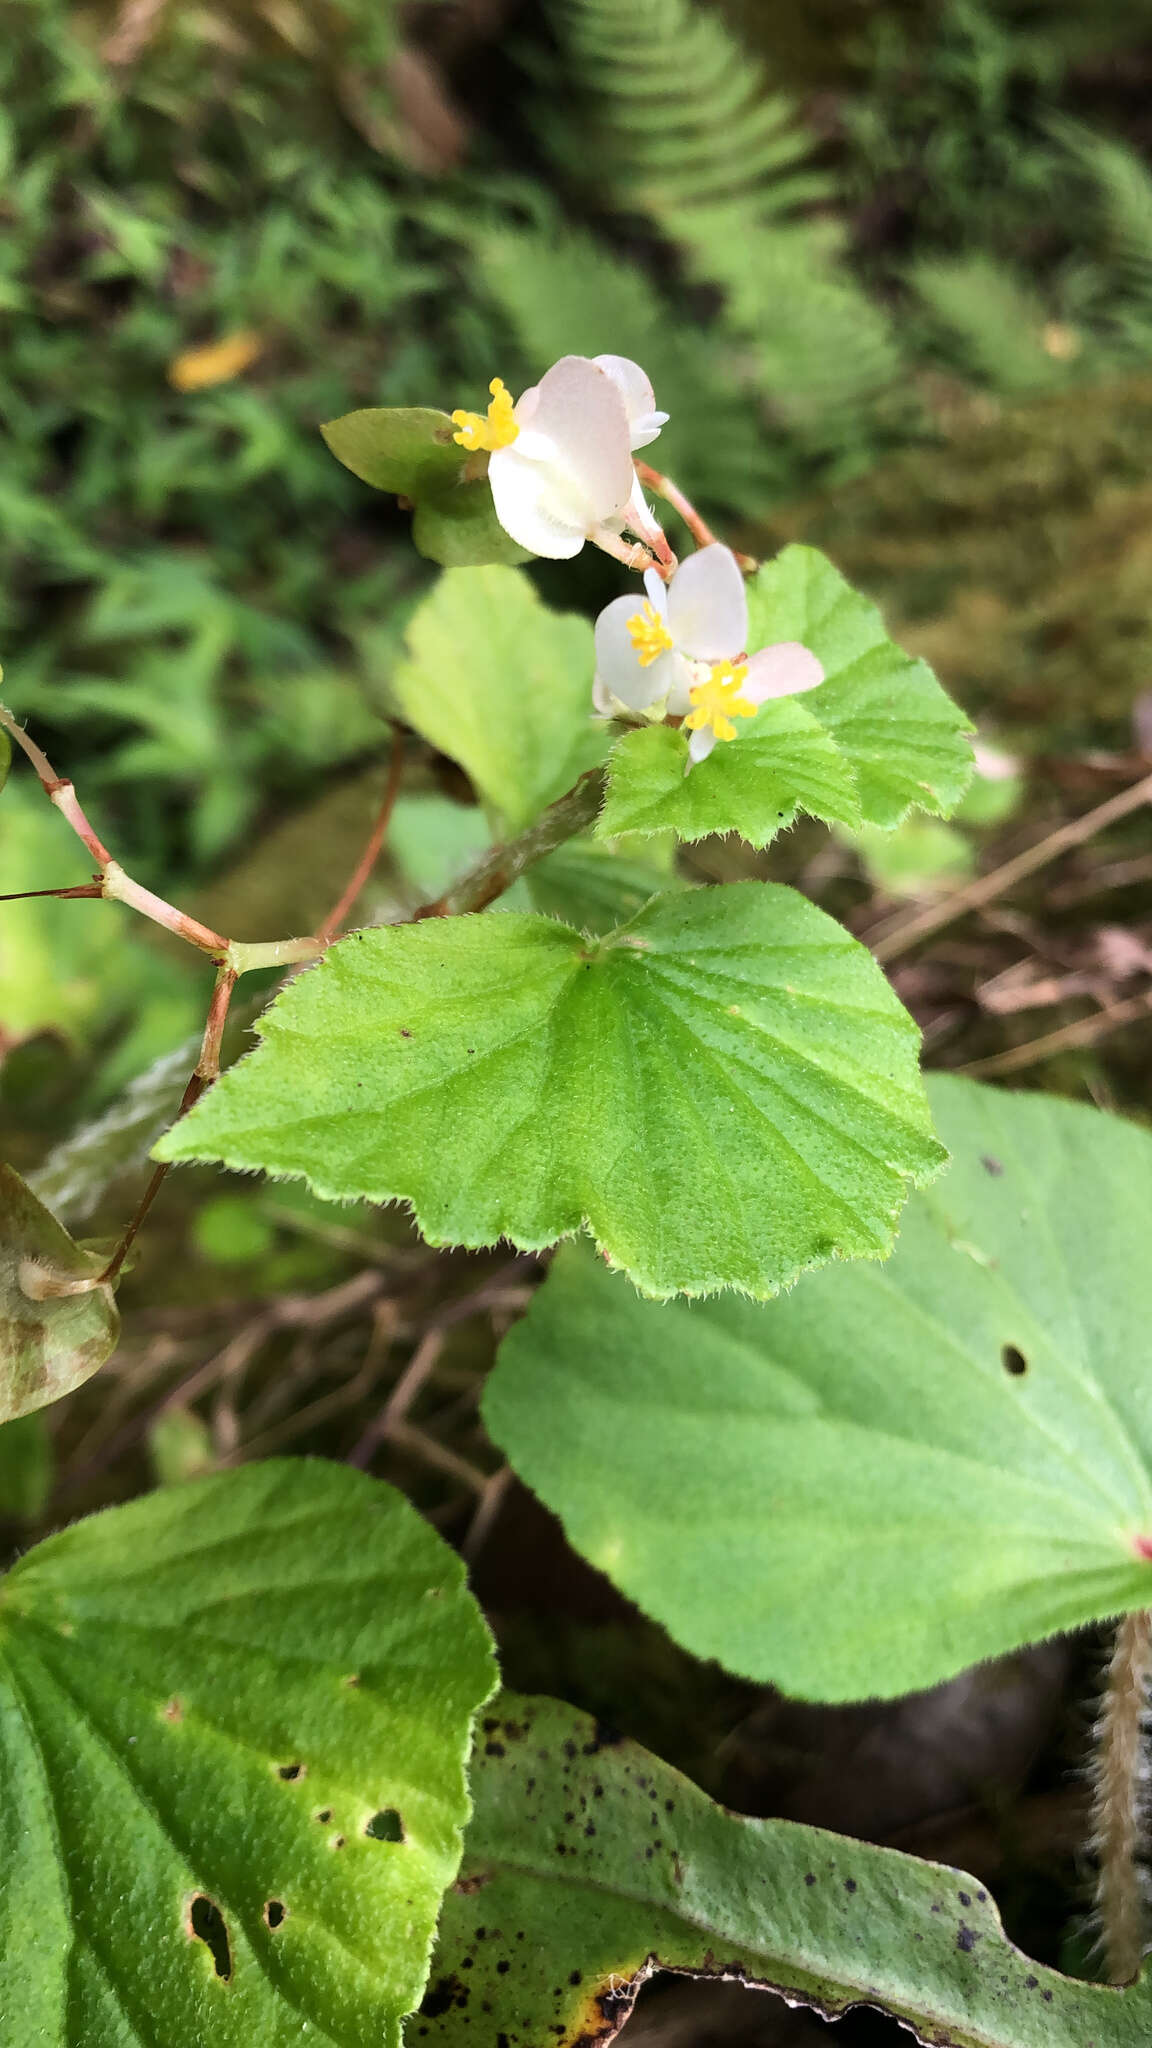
point(701, 532)
point(371, 853)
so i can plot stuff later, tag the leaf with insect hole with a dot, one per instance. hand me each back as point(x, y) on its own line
point(590, 1865)
point(894, 1471)
point(234, 1719)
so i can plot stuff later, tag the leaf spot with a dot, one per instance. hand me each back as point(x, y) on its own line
point(1014, 1361)
point(323, 1815)
point(992, 1166)
point(289, 1772)
point(385, 1826)
point(206, 1923)
point(275, 1913)
point(174, 1711)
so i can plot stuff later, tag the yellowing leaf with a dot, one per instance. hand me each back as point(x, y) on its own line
point(217, 362)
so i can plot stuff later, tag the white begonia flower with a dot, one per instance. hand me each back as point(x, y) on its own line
point(560, 458)
point(681, 654)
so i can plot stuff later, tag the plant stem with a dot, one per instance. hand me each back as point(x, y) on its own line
point(206, 1071)
point(504, 865)
point(1119, 1804)
point(701, 532)
point(889, 940)
point(633, 554)
point(371, 854)
point(118, 887)
point(81, 889)
point(57, 788)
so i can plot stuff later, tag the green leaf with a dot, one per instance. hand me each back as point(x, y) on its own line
point(27, 1464)
point(504, 686)
point(724, 1090)
point(49, 1342)
point(457, 527)
point(235, 1716)
point(894, 725)
point(434, 841)
point(914, 859)
point(593, 887)
point(589, 1865)
point(781, 763)
point(896, 1470)
point(408, 450)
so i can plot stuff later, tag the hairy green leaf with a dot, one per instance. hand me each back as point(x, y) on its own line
point(895, 1471)
point(503, 686)
point(589, 1865)
point(903, 737)
point(50, 1342)
point(780, 763)
point(724, 1090)
point(234, 1722)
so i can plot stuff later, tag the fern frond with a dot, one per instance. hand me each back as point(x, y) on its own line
point(993, 325)
point(1122, 191)
point(562, 292)
point(675, 117)
point(675, 122)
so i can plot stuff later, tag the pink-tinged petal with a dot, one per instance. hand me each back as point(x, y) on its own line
point(644, 422)
point(581, 411)
point(618, 666)
point(991, 762)
point(781, 671)
point(657, 591)
point(533, 504)
point(701, 743)
point(707, 605)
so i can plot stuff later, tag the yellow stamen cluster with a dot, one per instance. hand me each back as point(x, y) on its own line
point(648, 634)
point(499, 430)
point(718, 701)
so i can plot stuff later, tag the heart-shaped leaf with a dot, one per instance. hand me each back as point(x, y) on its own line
point(233, 1724)
point(896, 1470)
point(725, 1089)
point(589, 1865)
point(50, 1340)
